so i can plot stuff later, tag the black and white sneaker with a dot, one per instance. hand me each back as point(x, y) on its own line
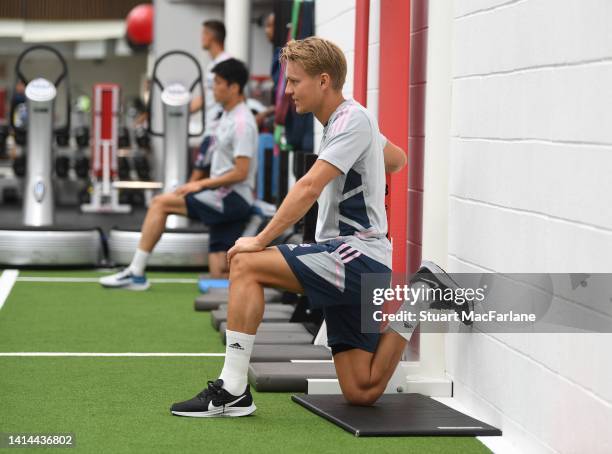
point(430, 275)
point(435, 277)
point(215, 401)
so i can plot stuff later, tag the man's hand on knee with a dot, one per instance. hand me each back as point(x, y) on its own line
point(192, 186)
point(245, 244)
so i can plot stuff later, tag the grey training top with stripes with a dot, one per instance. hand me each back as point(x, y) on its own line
point(352, 206)
point(236, 136)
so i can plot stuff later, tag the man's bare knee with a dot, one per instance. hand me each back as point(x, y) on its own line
point(162, 202)
point(156, 202)
point(241, 265)
point(358, 385)
point(366, 396)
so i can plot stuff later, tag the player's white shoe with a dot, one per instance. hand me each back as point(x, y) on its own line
point(126, 280)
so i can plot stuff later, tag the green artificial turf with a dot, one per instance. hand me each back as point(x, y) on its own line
point(84, 317)
point(99, 272)
point(122, 405)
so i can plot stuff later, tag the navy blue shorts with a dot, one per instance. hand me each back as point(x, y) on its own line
point(224, 212)
point(330, 274)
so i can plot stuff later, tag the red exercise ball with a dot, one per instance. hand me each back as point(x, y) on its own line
point(140, 25)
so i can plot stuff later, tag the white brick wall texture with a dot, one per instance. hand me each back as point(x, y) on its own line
point(530, 187)
point(530, 191)
point(527, 35)
point(336, 21)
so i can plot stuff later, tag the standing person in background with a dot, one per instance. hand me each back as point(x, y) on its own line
point(213, 41)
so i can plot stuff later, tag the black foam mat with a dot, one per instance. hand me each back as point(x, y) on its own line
point(395, 415)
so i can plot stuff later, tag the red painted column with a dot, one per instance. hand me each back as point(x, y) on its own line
point(362, 28)
point(393, 115)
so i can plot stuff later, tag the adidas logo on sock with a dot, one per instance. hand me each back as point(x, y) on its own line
point(237, 346)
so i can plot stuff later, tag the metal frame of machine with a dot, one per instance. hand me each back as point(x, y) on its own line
point(180, 245)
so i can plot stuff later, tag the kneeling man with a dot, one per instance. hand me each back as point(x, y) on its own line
point(348, 181)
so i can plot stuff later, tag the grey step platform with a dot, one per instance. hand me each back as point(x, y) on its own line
point(274, 327)
point(271, 314)
point(216, 297)
point(287, 377)
point(278, 337)
point(277, 333)
point(395, 415)
point(274, 307)
point(266, 353)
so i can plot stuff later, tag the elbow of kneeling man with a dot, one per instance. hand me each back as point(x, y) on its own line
point(402, 160)
point(398, 164)
point(310, 190)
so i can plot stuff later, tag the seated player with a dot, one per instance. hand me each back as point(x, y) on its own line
point(223, 200)
point(348, 181)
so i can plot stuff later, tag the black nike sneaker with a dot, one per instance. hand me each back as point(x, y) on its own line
point(215, 401)
point(435, 277)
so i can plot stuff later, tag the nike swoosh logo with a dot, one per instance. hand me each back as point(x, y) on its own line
point(212, 406)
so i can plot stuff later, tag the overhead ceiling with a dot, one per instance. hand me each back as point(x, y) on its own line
point(49, 10)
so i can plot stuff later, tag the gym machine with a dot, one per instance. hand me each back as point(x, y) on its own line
point(38, 241)
point(181, 245)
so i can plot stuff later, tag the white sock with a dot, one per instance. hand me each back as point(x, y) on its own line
point(139, 262)
point(238, 349)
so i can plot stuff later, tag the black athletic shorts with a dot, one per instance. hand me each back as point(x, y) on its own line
point(225, 212)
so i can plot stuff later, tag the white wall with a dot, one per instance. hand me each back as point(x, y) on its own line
point(336, 21)
point(179, 26)
point(261, 48)
point(518, 158)
point(438, 35)
point(169, 35)
point(530, 191)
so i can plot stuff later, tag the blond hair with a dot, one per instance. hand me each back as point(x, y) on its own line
point(317, 56)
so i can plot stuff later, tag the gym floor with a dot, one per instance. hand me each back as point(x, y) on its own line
point(120, 403)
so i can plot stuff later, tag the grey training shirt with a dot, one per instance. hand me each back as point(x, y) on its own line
point(236, 136)
point(352, 206)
